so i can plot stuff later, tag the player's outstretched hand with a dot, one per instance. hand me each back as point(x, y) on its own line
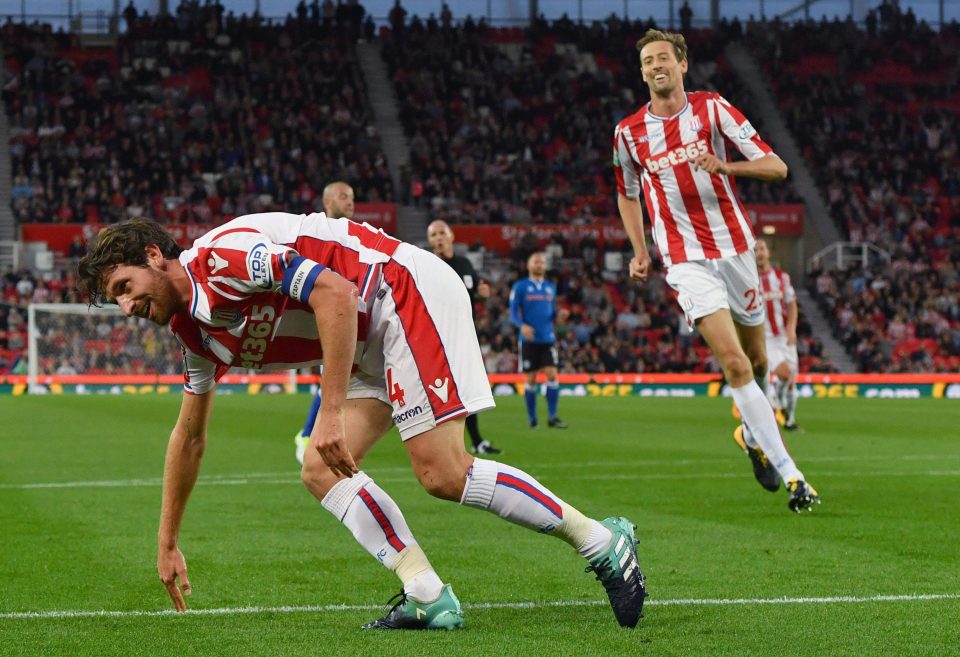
point(172, 566)
point(333, 450)
point(640, 266)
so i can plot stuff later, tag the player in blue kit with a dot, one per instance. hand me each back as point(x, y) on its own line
point(532, 310)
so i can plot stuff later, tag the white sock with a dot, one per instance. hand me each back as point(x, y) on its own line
point(758, 415)
point(419, 579)
point(790, 402)
point(748, 436)
point(775, 393)
point(514, 495)
point(376, 522)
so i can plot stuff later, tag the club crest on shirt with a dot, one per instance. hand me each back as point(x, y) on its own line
point(258, 266)
point(696, 124)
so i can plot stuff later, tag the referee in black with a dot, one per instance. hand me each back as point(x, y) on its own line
point(440, 237)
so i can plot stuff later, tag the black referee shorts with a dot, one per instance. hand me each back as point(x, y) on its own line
point(534, 356)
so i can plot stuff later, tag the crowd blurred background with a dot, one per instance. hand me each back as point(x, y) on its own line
point(203, 115)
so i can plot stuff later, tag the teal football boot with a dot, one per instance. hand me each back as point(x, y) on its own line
point(444, 613)
point(618, 569)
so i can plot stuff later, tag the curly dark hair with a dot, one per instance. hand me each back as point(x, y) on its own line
point(121, 244)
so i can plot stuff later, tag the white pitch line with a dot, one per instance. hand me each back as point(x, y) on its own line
point(280, 477)
point(248, 480)
point(289, 609)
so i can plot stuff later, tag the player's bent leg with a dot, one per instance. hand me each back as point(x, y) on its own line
point(439, 459)
point(512, 494)
point(754, 344)
point(720, 332)
point(367, 420)
point(378, 525)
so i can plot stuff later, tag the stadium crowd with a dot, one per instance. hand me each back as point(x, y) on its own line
point(193, 117)
point(230, 115)
point(878, 109)
point(516, 125)
point(606, 323)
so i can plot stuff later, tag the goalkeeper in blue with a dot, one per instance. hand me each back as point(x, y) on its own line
point(337, 202)
point(533, 307)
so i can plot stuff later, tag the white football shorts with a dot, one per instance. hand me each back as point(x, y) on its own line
point(778, 351)
point(422, 355)
point(705, 286)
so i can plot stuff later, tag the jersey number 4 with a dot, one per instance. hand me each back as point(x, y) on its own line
point(394, 389)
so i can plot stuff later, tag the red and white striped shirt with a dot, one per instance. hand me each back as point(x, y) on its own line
point(778, 293)
point(238, 315)
point(695, 215)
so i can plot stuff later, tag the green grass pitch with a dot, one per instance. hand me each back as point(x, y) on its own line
point(730, 570)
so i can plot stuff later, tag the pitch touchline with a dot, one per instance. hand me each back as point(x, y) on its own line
point(281, 477)
point(275, 477)
point(247, 480)
point(286, 609)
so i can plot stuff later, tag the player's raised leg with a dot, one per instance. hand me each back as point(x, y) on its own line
point(723, 336)
point(446, 471)
point(376, 522)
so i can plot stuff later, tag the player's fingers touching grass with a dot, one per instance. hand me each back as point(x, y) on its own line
point(172, 566)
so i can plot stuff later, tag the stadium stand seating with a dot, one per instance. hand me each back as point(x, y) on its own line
point(506, 125)
point(193, 117)
point(877, 110)
point(512, 125)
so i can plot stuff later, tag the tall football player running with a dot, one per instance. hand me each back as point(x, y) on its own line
point(675, 150)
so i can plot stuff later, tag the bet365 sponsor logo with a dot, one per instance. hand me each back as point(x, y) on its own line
point(259, 326)
point(676, 156)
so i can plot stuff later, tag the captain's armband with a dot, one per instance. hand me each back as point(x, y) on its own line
point(299, 278)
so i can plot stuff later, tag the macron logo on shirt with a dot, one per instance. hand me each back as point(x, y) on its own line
point(215, 262)
point(439, 388)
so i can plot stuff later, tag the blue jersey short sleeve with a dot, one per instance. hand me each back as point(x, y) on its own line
point(533, 303)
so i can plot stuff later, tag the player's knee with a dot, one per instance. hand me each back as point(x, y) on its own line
point(782, 372)
point(737, 367)
point(317, 477)
point(443, 476)
point(441, 483)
